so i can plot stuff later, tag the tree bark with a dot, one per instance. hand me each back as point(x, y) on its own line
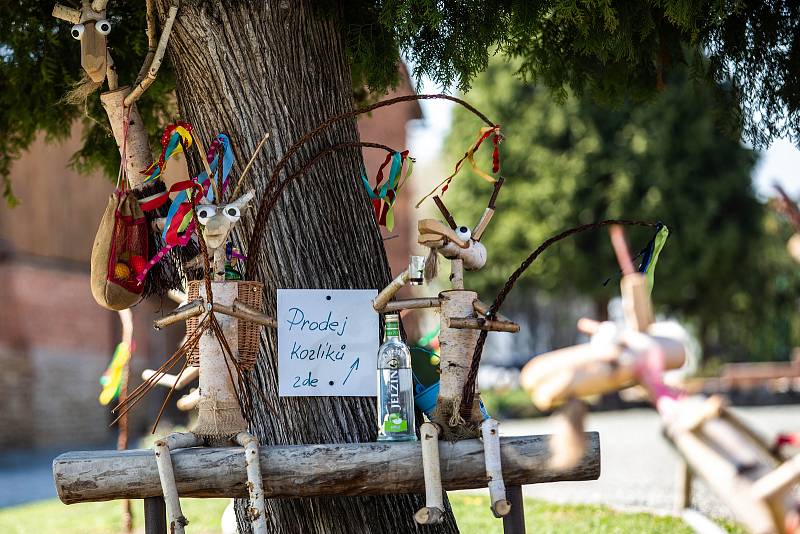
point(246, 68)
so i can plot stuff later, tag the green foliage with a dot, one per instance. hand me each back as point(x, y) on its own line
point(616, 51)
point(580, 162)
point(40, 63)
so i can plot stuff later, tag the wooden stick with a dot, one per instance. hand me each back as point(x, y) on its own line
point(310, 470)
point(189, 401)
point(482, 324)
point(636, 303)
point(249, 164)
point(257, 511)
point(172, 381)
point(621, 250)
point(778, 481)
point(483, 308)
point(383, 298)
point(477, 233)
point(236, 310)
point(193, 309)
point(158, 58)
point(722, 476)
point(411, 304)
point(736, 422)
point(152, 42)
point(683, 486)
point(433, 512)
point(445, 212)
point(67, 14)
point(457, 274)
point(167, 476)
point(486, 218)
point(494, 471)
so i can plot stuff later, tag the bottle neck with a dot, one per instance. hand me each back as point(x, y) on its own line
point(391, 328)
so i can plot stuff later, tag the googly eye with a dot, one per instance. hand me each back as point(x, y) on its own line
point(205, 213)
point(103, 27)
point(463, 233)
point(232, 213)
point(77, 31)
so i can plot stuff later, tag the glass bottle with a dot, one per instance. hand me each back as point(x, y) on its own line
point(395, 386)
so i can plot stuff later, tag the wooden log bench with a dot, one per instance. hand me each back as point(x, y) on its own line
point(308, 471)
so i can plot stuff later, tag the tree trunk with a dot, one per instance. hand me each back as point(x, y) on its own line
point(246, 68)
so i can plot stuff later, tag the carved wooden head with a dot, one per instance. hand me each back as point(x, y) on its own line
point(452, 243)
point(90, 27)
point(219, 219)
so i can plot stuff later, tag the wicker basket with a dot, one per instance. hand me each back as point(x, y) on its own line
point(250, 294)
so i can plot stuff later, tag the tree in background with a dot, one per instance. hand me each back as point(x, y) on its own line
point(724, 269)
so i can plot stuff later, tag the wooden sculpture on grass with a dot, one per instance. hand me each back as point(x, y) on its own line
point(462, 314)
point(738, 465)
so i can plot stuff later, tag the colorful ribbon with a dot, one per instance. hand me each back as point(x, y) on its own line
point(651, 252)
point(174, 138)
point(179, 224)
point(469, 156)
point(112, 377)
point(385, 192)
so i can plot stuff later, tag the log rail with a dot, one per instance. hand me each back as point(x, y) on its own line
point(310, 470)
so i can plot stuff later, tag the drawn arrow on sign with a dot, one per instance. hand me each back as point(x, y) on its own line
point(352, 368)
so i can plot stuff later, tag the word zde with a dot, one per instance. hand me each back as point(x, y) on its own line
point(327, 342)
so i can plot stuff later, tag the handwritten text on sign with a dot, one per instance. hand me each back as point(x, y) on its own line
point(327, 342)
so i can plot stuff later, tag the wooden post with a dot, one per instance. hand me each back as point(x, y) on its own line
point(311, 470)
point(514, 522)
point(457, 346)
point(155, 515)
point(683, 486)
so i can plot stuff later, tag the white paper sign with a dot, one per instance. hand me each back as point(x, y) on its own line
point(327, 342)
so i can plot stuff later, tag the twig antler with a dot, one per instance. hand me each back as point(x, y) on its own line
point(488, 213)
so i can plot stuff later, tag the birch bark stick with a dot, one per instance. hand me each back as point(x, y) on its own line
point(433, 511)
point(494, 471)
point(137, 147)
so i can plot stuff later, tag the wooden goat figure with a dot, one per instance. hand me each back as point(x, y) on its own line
point(222, 340)
point(738, 465)
point(462, 315)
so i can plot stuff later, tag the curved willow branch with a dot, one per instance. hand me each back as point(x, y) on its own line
point(468, 393)
point(268, 202)
point(262, 213)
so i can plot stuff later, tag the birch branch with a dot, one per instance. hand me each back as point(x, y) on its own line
point(158, 58)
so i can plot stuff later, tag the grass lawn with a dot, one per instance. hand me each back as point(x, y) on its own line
point(472, 513)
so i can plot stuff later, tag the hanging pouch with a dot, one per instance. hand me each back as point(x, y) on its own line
point(119, 253)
